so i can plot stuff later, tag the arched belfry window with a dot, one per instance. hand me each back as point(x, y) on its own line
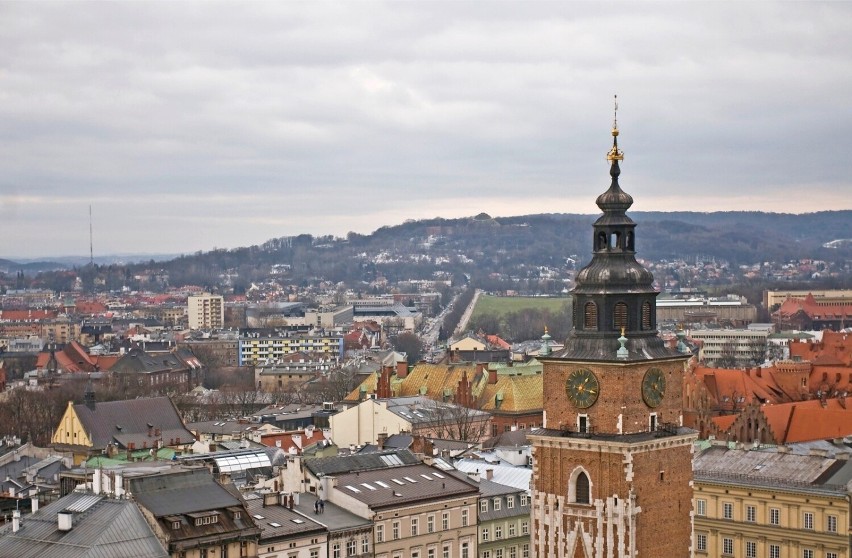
point(602, 241)
point(590, 316)
point(615, 242)
point(619, 316)
point(646, 315)
point(628, 242)
point(581, 487)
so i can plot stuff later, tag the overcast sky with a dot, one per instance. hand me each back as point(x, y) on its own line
point(192, 126)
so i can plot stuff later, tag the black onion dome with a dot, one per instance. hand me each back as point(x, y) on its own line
point(615, 199)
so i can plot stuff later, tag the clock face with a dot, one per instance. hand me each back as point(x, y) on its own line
point(582, 388)
point(653, 387)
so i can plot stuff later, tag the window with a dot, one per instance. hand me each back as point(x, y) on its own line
point(498, 553)
point(582, 423)
point(496, 504)
point(445, 521)
point(619, 316)
point(774, 551)
point(590, 316)
point(513, 552)
point(465, 550)
point(314, 553)
point(751, 549)
point(582, 489)
point(430, 552)
point(525, 550)
point(351, 547)
point(486, 554)
point(414, 526)
point(646, 315)
point(446, 551)
point(512, 529)
point(175, 525)
point(751, 514)
point(525, 527)
point(464, 517)
point(380, 533)
point(524, 500)
point(830, 555)
point(701, 542)
point(484, 534)
point(498, 532)
point(483, 506)
point(510, 502)
point(701, 507)
point(430, 522)
point(807, 520)
point(807, 553)
point(335, 550)
point(395, 528)
point(365, 545)
point(774, 516)
point(831, 524)
point(728, 546)
point(728, 510)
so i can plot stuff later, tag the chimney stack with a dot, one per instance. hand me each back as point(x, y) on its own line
point(65, 519)
point(489, 474)
point(16, 521)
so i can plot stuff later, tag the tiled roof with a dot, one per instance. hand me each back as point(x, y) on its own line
point(809, 420)
point(513, 394)
point(402, 486)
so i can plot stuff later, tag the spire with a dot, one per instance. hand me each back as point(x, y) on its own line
point(615, 154)
point(545, 343)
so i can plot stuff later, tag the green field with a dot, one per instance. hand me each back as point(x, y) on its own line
point(502, 305)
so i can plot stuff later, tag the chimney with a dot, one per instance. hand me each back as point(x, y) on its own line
point(382, 438)
point(16, 521)
point(489, 474)
point(269, 499)
point(402, 369)
point(295, 497)
point(34, 504)
point(492, 377)
point(65, 519)
point(290, 501)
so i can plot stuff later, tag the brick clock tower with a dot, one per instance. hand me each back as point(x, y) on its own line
point(612, 469)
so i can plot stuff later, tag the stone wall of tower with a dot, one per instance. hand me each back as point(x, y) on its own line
point(620, 399)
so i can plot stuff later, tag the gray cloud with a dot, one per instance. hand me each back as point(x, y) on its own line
point(193, 125)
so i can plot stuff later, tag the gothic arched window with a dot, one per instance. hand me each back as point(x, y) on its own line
point(590, 316)
point(646, 315)
point(619, 316)
point(582, 489)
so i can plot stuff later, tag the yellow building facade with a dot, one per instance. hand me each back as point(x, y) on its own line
point(762, 503)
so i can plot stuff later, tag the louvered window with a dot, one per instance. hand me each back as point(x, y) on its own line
point(619, 316)
point(590, 316)
point(646, 315)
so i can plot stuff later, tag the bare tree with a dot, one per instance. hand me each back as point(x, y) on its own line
point(455, 422)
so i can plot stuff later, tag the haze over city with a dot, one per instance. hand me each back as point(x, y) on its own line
point(190, 126)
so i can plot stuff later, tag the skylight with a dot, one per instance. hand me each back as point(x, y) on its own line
point(297, 520)
point(258, 516)
point(427, 477)
point(352, 488)
point(368, 486)
point(273, 524)
point(409, 479)
point(382, 484)
point(399, 482)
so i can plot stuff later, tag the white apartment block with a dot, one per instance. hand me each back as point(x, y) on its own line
point(206, 311)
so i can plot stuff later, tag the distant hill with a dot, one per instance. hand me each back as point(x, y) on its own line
point(481, 246)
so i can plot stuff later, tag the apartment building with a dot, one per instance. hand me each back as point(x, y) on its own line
point(504, 521)
point(268, 349)
point(772, 503)
point(731, 347)
point(206, 311)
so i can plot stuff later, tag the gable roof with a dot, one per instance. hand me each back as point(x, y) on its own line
point(125, 422)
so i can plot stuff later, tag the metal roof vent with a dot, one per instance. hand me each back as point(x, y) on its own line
point(65, 519)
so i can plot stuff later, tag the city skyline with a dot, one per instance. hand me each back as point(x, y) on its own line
point(192, 126)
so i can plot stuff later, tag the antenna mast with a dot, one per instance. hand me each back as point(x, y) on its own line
point(91, 247)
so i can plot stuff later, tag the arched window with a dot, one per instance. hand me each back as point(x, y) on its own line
point(619, 316)
point(590, 316)
point(646, 315)
point(628, 241)
point(615, 240)
point(602, 241)
point(582, 489)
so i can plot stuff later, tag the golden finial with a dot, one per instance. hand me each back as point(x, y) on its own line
point(615, 154)
point(545, 330)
